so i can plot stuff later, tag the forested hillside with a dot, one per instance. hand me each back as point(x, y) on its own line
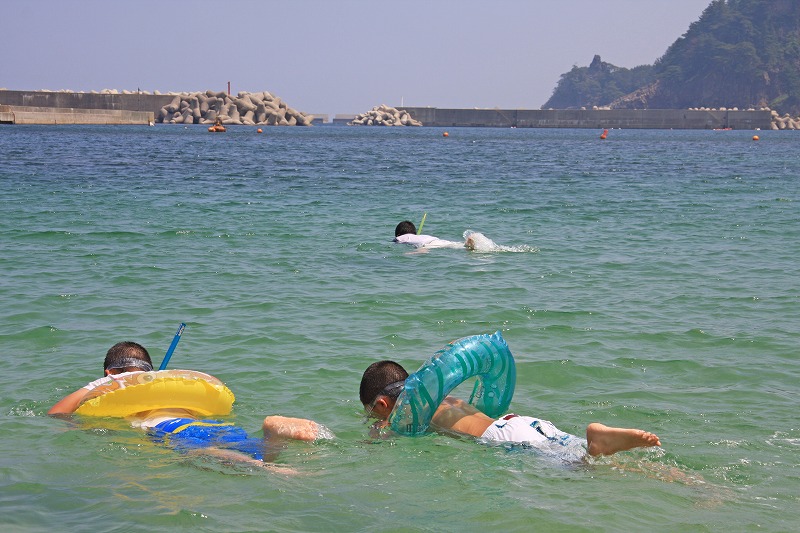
point(597, 84)
point(740, 53)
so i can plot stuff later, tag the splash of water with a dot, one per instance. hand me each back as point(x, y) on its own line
point(478, 242)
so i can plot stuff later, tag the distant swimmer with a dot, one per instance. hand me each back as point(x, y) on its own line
point(406, 233)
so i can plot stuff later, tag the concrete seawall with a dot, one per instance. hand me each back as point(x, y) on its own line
point(115, 102)
point(77, 104)
point(64, 115)
point(596, 119)
point(39, 107)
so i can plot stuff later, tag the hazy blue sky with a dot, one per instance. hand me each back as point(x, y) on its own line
point(327, 56)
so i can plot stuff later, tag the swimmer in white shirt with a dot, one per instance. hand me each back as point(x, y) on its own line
point(406, 233)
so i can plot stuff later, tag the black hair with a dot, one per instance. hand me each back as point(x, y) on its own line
point(404, 227)
point(377, 376)
point(123, 352)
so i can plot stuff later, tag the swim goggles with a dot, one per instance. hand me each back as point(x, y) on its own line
point(391, 390)
point(132, 363)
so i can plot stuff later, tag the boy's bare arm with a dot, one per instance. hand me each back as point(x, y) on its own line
point(69, 403)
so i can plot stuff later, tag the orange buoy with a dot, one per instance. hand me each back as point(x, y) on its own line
point(604, 134)
point(211, 128)
point(259, 130)
point(445, 134)
point(755, 137)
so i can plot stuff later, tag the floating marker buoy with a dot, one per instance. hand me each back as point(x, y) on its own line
point(211, 128)
point(445, 134)
point(259, 130)
point(755, 137)
point(604, 134)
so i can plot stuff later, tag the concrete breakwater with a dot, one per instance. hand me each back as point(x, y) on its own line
point(384, 115)
point(785, 122)
point(47, 101)
point(249, 109)
point(593, 118)
point(111, 108)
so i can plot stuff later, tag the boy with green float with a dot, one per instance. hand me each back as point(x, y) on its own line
point(383, 382)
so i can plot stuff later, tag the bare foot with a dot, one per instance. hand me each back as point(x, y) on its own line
point(605, 440)
point(282, 427)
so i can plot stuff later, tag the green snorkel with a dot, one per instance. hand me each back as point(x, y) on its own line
point(419, 229)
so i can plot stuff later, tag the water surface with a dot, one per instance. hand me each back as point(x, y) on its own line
point(659, 291)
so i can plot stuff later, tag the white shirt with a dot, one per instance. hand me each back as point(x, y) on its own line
point(426, 241)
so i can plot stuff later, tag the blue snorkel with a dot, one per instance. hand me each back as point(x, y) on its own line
point(172, 346)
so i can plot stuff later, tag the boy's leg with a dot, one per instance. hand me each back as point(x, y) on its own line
point(236, 457)
point(282, 427)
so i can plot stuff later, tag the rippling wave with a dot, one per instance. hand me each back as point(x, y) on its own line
point(646, 281)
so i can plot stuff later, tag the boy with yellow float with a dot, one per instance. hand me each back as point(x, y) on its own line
point(168, 404)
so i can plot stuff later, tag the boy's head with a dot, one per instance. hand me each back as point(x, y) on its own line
point(405, 227)
point(127, 357)
point(382, 382)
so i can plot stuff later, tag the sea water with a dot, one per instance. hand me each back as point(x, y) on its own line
point(647, 280)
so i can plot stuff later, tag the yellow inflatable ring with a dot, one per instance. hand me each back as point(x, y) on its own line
point(198, 392)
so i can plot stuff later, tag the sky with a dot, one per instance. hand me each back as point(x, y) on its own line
point(333, 56)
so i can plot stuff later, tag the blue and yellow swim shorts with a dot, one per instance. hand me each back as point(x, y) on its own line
point(189, 433)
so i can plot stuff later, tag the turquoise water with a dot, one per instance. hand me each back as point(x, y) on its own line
point(657, 288)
